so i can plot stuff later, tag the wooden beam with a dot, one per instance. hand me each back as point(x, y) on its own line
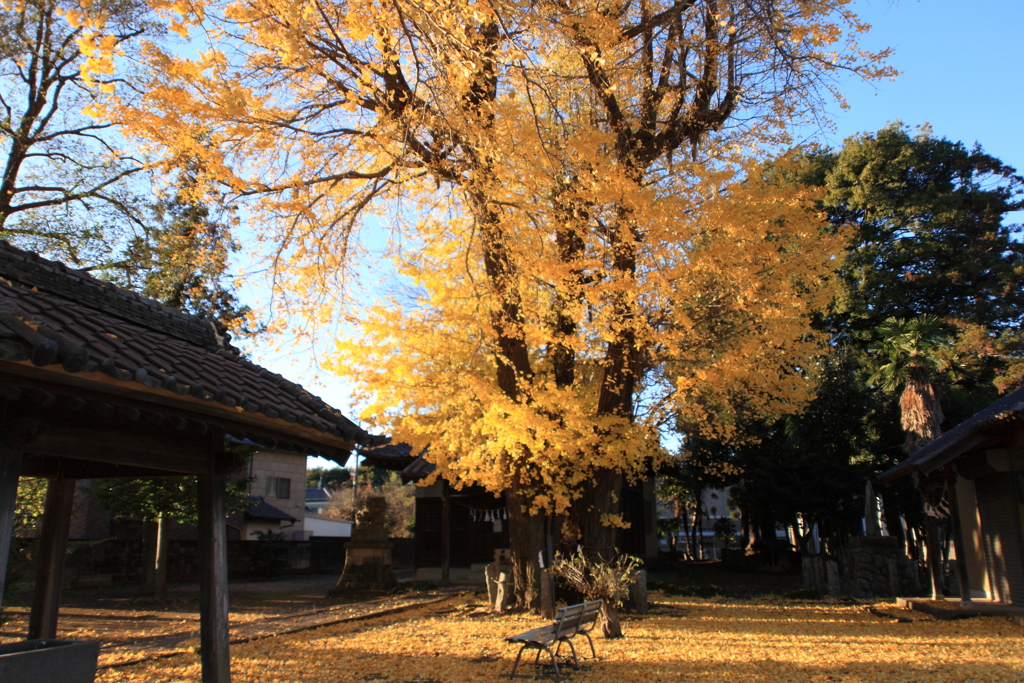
point(213, 573)
point(53, 544)
point(49, 467)
point(135, 447)
point(10, 470)
point(97, 387)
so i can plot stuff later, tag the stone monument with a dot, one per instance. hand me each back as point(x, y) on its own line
point(877, 567)
point(498, 575)
point(368, 555)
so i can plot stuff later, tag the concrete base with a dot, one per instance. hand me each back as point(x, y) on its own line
point(367, 570)
point(39, 661)
point(960, 609)
point(470, 575)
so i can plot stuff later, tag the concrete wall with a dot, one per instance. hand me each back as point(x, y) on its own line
point(315, 525)
point(282, 464)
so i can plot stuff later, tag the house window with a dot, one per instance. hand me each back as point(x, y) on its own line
point(278, 487)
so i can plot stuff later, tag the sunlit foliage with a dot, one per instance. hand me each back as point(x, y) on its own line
point(574, 205)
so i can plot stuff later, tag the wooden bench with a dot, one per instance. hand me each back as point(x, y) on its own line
point(571, 621)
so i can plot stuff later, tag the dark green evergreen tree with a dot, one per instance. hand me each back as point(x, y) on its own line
point(928, 236)
point(189, 254)
point(928, 230)
point(333, 478)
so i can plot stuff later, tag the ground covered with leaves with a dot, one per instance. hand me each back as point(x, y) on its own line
point(716, 639)
point(131, 628)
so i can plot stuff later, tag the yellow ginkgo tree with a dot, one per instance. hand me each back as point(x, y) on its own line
point(588, 248)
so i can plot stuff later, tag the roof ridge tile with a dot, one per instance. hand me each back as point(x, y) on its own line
point(33, 270)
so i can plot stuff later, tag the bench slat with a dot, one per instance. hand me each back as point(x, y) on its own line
point(546, 634)
point(570, 621)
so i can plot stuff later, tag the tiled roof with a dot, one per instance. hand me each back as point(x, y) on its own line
point(317, 495)
point(390, 457)
point(399, 457)
point(968, 434)
point(420, 468)
point(67, 321)
point(257, 508)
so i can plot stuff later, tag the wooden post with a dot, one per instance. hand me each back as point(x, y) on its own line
point(446, 533)
point(10, 470)
point(958, 538)
point(213, 580)
point(53, 545)
point(931, 543)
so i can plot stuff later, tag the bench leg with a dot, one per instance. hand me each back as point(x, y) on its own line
point(516, 665)
point(575, 661)
point(554, 661)
point(592, 651)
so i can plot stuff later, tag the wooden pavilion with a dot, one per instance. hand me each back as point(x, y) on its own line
point(980, 463)
point(97, 381)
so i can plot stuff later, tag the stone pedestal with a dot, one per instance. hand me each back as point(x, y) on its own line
point(368, 555)
point(638, 592)
point(35, 661)
point(876, 567)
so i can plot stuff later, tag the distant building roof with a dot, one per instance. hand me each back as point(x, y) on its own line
point(257, 508)
point(318, 495)
point(92, 336)
point(969, 434)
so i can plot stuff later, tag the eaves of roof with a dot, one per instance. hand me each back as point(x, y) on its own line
point(418, 469)
point(390, 456)
point(65, 332)
point(966, 436)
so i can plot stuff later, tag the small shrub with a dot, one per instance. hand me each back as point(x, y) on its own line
point(725, 530)
point(599, 580)
point(269, 558)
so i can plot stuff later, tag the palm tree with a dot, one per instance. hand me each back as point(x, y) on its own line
point(912, 351)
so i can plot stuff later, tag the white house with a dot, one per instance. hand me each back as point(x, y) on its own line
point(317, 525)
point(277, 490)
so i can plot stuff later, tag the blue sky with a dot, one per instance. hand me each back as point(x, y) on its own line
point(961, 72)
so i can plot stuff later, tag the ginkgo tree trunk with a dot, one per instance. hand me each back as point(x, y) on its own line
point(574, 204)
